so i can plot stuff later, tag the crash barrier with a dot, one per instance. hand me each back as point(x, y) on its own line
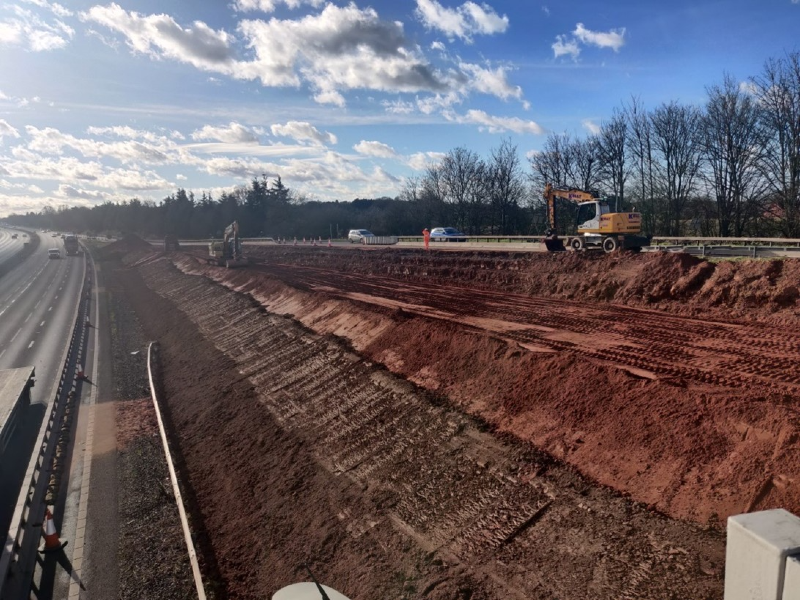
point(18, 558)
point(27, 249)
point(152, 349)
point(379, 240)
point(762, 556)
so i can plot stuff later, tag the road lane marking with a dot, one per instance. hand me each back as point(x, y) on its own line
point(49, 309)
point(16, 334)
point(1, 353)
point(28, 317)
point(31, 344)
point(37, 304)
point(41, 324)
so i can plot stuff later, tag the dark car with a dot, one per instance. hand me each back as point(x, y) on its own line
point(447, 234)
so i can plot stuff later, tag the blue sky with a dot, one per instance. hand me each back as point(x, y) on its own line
point(109, 101)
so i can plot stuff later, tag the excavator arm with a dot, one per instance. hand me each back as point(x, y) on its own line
point(551, 241)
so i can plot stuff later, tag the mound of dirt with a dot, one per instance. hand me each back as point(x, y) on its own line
point(753, 290)
point(129, 243)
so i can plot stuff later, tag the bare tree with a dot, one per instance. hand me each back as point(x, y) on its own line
point(733, 148)
point(463, 176)
point(554, 163)
point(640, 144)
point(611, 144)
point(506, 187)
point(778, 92)
point(676, 139)
point(584, 163)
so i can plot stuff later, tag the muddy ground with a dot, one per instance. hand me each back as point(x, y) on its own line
point(431, 426)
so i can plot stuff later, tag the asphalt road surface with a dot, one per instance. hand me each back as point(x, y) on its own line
point(38, 299)
point(9, 246)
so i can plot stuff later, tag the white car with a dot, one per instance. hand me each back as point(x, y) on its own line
point(356, 235)
point(54, 253)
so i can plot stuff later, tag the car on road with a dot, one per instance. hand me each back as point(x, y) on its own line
point(447, 234)
point(54, 253)
point(13, 236)
point(357, 235)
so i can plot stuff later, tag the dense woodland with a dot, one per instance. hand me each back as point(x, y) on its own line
point(728, 168)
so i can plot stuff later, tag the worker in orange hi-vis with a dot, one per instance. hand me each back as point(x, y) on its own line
point(426, 235)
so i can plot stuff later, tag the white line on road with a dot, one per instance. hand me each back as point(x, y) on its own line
point(37, 304)
point(49, 309)
point(1, 353)
point(31, 344)
point(28, 317)
point(16, 334)
point(41, 324)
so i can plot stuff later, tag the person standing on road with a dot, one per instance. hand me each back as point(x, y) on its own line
point(426, 235)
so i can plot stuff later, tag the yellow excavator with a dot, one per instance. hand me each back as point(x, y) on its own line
point(228, 251)
point(598, 227)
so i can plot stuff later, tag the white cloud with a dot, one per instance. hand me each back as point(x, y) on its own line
point(420, 160)
point(341, 48)
point(160, 36)
point(233, 133)
point(531, 154)
point(181, 177)
point(491, 81)
point(748, 87)
point(398, 107)
point(57, 9)
point(569, 46)
point(565, 47)
point(31, 31)
point(614, 38)
point(462, 22)
point(7, 130)
point(546, 10)
point(377, 149)
point(53, 141)
point(500, 124)
point(438, 46)
point(591, 126)
point(269, 6)
point(303, 132)
point(71, 192)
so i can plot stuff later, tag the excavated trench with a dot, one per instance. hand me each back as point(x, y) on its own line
point(418, 433)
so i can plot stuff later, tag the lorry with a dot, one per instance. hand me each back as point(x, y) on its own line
point(598, 227)
point(71, 245)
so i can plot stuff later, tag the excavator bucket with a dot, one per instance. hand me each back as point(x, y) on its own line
point(554, 244)
point(233, 263)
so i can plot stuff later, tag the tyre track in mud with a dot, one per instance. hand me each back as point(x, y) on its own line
point(522, 525)
point(715, 352)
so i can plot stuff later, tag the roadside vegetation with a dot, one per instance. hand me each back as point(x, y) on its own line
point(728, 168)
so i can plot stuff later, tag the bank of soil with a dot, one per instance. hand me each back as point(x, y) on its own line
point(152, 560)
point(695, 417)
point(300, 446)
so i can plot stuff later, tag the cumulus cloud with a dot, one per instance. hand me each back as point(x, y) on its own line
point(491, 81)
point(565, 47)
point(31, 31)
point(52, 141)
point(570, 46)
point(420, 160)
point(463, 22)
point(591, 126)
point(71, 192)
point(303, 132)
point(269, 6)
point(159, 36)
point(614, 38)
point(232, 133)
point(748, 87)
point(495, 124)
point(7, 130)
point(377, 149)
point(341, 48)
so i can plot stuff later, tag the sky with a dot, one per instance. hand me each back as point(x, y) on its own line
point(111, 101)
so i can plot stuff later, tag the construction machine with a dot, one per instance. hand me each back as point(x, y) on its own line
point(171, 242)
point(228, 252)
point(598, 227)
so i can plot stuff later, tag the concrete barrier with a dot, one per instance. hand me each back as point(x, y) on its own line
point(380, 240)
point(759, 547)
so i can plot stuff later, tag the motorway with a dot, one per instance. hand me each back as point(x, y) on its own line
point(38, 300)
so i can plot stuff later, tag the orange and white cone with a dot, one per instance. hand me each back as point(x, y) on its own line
point(329, 243)
point(51, 541)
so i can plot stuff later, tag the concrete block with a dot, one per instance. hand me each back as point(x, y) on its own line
point(791, 583)
point(757, 547)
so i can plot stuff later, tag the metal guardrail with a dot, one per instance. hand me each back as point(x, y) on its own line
point(176, 490)
point(20, 550)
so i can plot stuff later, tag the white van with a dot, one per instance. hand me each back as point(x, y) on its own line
point(54, 253)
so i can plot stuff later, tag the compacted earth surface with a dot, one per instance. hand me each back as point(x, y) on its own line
point(473, 425)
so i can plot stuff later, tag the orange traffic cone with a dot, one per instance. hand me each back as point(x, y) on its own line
point(51, 541)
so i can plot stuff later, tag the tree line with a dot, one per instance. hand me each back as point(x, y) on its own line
point(728, 168)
